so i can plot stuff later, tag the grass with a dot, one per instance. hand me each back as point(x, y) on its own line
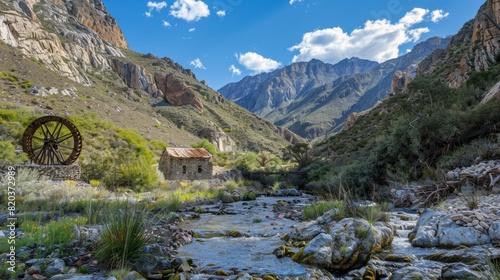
point(123, 239)
point(368, 213)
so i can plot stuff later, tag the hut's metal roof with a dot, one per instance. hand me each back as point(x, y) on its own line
point(188, 153)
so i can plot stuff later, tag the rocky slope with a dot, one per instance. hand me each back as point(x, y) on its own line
point(476, 48)
point(77, 46)
point(314, 99)
point(267, 92)
point(323, 110)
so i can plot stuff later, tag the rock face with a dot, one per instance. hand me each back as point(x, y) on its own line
point(83, 48)
point(222, 141)
point(176, 92)
point(476, 47)
point(93, 14)
point(402, 78)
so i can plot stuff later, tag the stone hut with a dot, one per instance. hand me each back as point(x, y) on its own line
point(186, 164)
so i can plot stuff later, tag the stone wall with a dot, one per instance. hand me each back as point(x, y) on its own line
point(54, 172)
point(186, 168)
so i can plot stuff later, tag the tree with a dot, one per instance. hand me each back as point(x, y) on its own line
point(300, 153)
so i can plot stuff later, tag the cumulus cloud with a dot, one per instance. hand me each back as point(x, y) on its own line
point(293, 1)
point(192, 29)
point(257, 63)
point(221, 13)
point(438, 15)
point(377, 40)
point(234, 70)
point(158, 6)
point(197, 64)
point(189, 10)
point(414, 16)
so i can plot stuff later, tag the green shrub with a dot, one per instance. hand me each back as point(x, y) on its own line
point(248, 195)
point(316, 210)
point(207, 145)
point(123, 239)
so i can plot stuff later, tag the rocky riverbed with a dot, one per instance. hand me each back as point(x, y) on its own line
point(266, 239)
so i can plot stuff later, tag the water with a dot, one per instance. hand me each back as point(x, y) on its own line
point(261, 231)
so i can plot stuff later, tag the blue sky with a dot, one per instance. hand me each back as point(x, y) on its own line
point(224, 40)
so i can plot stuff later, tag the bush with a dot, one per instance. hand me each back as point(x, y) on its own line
point(204, 143)
point(122, 240)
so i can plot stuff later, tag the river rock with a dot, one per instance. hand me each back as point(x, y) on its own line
point(306, 231)
point(134, 275)
point(348, 245)
point(437, 229)
point(319, 250)
point(494, 232)
point(463, 271)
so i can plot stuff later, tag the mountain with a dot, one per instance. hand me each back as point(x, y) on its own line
point(70, 58)
point(265, 93)
point(314, 99)
point(444, 115)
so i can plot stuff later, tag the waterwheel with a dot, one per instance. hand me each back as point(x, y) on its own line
point(52, 140)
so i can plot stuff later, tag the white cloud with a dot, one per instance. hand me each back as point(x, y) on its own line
point(158, 6)
point(293, 1)
point(166, 23)
point(221, 13)
point(438, 15)
point(257, 63)
point(189, 10)
point(192, 29)
point(377, 40)
point(197, 64)
point(414, 16)
point(234, 70)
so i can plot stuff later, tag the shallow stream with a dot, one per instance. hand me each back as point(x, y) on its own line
point(256, 231)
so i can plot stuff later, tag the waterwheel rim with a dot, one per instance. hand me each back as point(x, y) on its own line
point(52, 140)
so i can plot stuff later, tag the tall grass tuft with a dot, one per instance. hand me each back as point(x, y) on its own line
point(123, 239)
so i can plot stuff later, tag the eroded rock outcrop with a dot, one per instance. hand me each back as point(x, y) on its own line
point(475, 46)
point(176, 92)
point(84, 49)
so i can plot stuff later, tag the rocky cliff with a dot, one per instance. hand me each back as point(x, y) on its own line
point(476, 47)
point(57, 39)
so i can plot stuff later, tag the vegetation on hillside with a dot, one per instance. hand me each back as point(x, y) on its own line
point(415, 135)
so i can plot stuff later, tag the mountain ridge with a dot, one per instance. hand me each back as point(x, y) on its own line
point(351, 85)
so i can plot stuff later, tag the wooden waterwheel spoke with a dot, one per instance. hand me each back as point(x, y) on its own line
point(48, 135)
point(65, 146)
point(64, 138)
point(58, 128)
point(57, 154)
point(38, 138)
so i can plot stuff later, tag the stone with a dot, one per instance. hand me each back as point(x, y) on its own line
point(494, 232)
point(55, 267)
point(306, 231)
point(134, 275)
point(319, 250)
point(436, 229)
point(460, 271)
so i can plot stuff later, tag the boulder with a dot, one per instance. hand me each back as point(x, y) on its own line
point(437, 229)
point(306, 231)
point(55, 267)
point(494, 232)
point(348, 244)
